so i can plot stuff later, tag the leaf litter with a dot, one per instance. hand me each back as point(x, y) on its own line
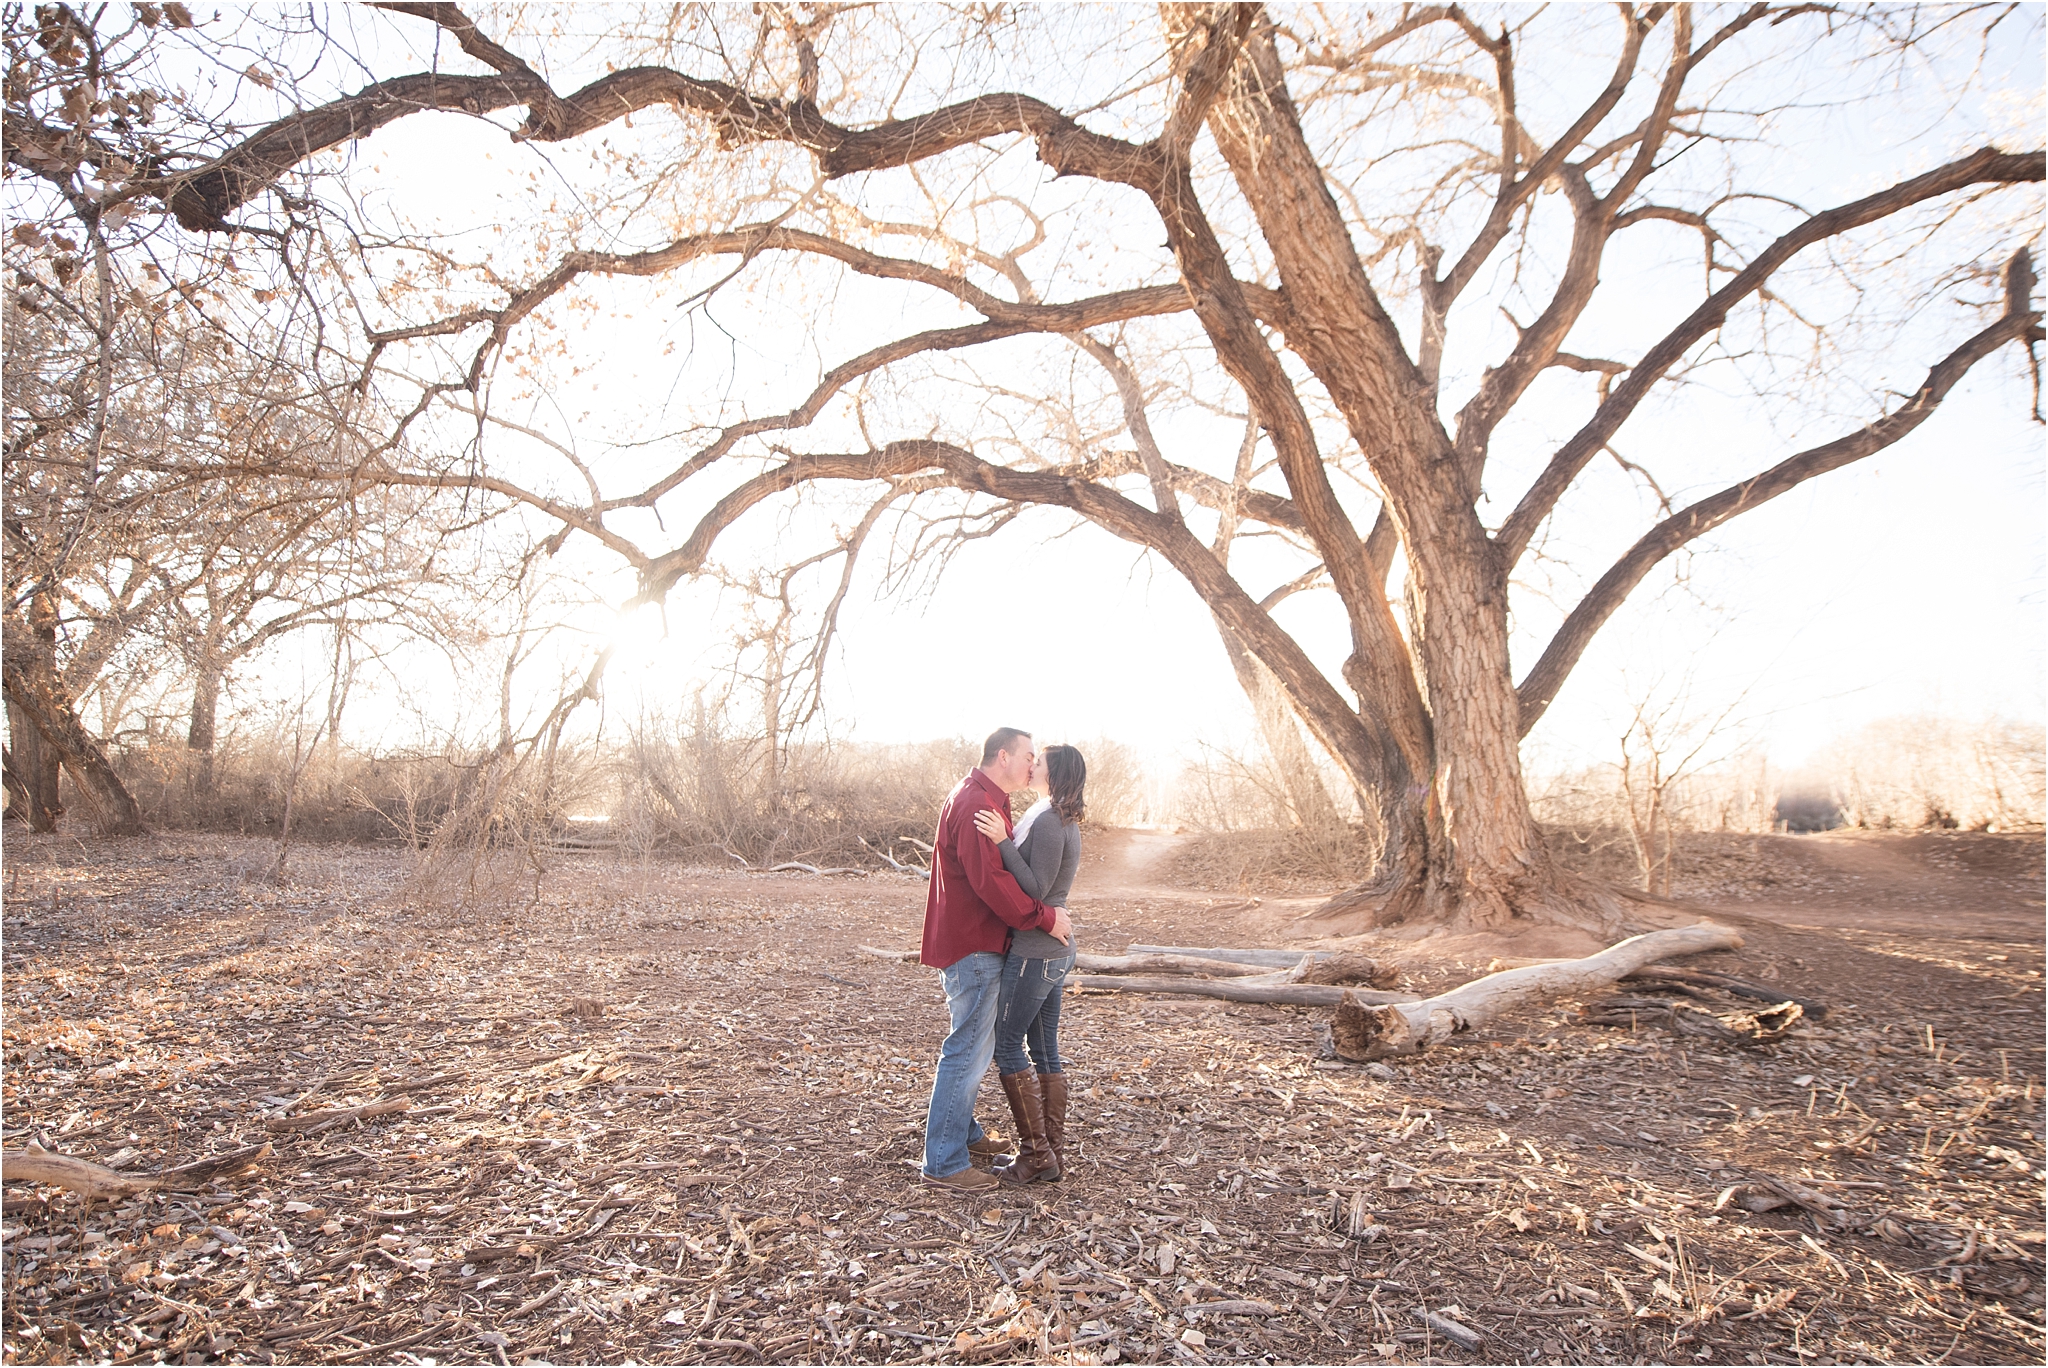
point(648, 1113)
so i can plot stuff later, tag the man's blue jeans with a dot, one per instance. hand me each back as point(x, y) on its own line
point(973, 988)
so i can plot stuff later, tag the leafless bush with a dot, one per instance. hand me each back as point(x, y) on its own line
point(1905, 773)
point(1930, 771)
point(1250, 834)
point(714, 797)
point(1122, 790)
point(1246, 791)
point(349, 795)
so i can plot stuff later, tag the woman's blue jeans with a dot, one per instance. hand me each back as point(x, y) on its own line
point(1028, 1014)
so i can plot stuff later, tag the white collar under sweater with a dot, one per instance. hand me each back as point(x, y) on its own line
point(1031, 814)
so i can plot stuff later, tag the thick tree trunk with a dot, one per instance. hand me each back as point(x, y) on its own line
point(1485, 851)
point(36, 760)
point(1461, 847)
point(200, 739)
point(33, 765)
point(52, 718)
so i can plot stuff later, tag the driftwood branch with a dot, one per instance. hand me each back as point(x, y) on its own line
point(1164, 964)
point(1242, 978)
point(1263, 988)
point(915, 871)
point(1362, 1030)
point(38, 1165)
point(1265, 959)
point(334, 1116)
point(1650, 974)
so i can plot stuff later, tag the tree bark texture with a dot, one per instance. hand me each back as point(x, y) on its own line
point(38, 764)
point(201, 737)
point(52, 718)
point(33, 772)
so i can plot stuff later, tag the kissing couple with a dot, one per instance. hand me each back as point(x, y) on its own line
point(996, 927)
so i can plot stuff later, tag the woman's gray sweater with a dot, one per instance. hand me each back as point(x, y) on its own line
point(1044, 868)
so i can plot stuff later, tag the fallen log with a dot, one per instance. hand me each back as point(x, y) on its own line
point(1362, 1030)
point(1303, 966)
point(1344, 966)
point(38, 1165)
point(1122, 964)
point(1164, 964)
point(1813, 1007)
point(1268, 959)
point(1263, 988)
point(914, 871)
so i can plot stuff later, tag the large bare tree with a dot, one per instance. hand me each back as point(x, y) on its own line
point(1347, 200)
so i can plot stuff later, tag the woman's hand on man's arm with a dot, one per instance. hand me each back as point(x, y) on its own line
point(991, 825)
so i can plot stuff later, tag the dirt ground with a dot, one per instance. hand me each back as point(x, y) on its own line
point(659, 1114)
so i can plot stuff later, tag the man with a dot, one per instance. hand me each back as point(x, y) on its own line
point(973, 905)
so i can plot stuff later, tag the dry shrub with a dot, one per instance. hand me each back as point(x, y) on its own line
point(714, 797)
point(344, 795)
point(482, 819)
point(1907, 773)
point(496, 834)
point(1604, 826)
point(1745, 794)
point(1122, 790)
point(1247, 836)
point(1933, 772)
point(1275, 861)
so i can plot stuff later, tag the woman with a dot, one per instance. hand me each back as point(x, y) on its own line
point(1044, 856)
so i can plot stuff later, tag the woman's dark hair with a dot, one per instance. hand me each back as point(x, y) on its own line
point(1065, 774)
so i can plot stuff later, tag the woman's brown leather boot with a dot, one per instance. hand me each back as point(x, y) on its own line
point(1052, 1090)
point(1034, 1162)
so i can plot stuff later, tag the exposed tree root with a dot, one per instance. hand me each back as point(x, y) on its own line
point(1559, 900)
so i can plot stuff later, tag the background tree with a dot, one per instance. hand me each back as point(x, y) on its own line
point(1349, 201)
point(153, 382)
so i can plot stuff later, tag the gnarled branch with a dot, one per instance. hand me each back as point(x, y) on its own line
point(1988, 166)
point(1541, 684)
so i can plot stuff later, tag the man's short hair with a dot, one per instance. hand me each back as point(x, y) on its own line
point(1000, 740)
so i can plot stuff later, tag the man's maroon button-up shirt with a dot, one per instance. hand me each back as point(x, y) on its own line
point(973, 901)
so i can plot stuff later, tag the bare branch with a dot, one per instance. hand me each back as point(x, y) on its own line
point(1986, 166)
point(1543, 681)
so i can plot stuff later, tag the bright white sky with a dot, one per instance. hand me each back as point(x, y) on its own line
point(1909, 582)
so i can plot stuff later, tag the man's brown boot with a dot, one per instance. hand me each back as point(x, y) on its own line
point(1034, 1162)
point(990, 1146)
point(966, 1180)
point(1052, 1089)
